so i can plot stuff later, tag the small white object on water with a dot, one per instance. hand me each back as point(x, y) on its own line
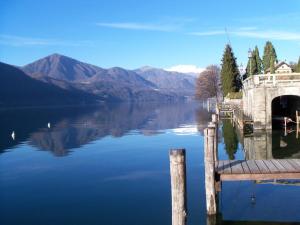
point(13, 135)
point(49, 125)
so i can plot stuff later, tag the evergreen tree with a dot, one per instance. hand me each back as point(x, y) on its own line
point(230, 139)
point(230, 75)
point(298, 66)
point(272, 66)
point(269, 51)
point(258, 61)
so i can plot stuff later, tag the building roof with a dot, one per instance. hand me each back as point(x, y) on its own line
point(278, 65)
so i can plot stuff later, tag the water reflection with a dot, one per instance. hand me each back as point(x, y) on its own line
point(60, 130)
point(271, 145)
point(230, 139)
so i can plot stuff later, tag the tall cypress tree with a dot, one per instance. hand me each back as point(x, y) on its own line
point(272, 66)
point(269, 51)
point(257, 61)
point(298, 66)
point(230, 75)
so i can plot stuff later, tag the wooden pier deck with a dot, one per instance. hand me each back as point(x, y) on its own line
point(217, 170)
point(257, 169)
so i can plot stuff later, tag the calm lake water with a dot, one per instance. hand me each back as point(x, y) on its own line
point(110, 165)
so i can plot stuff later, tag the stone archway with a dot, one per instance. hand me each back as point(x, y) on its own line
point(271, 94)
point(285, 106)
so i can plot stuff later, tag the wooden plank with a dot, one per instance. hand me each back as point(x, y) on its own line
point(226, 167)
point(279, 166)
point(294, 164)
point(236, 166)
point(271, 166)
point(220, 167)
point(245, 166)
point(253, 167)
point(228, 177)
point(262, 167)
point(286, 165)
point(297, 161)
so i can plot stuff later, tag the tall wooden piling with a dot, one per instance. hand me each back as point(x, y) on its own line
point(178, 186)
point(215, 122)
point(209, 161)
point(297, 124)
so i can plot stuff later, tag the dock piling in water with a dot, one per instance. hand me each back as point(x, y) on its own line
point(215, 122)
point(178, 186)
point(209, 143)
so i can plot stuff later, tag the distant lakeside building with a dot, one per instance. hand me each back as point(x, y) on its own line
point(281, 67)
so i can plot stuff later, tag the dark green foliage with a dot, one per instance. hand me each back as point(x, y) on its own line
point(272, 67)
point(230, 139)
point(298, 66)
point(269, 52)
point(230, 75)
point(256, 63)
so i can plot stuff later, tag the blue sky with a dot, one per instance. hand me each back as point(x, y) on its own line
point(159, 33)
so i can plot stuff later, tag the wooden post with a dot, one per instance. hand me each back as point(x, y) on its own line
point(215, 122)
point(208, 105)
point(178, 186)
point(297, 124)
point(211, 220)
point(217, 110)
point(210, 192)
point(285, 131)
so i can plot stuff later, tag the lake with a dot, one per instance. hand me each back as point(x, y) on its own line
point(109, 165)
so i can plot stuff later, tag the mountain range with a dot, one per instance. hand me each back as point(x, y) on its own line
point(69, 81)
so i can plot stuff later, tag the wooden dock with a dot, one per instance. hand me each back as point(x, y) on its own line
point(257, 169)
point(217, 170)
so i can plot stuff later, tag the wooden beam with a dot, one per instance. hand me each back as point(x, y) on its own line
point(231, 177)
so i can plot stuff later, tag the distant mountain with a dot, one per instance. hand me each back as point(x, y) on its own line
point(114, 83)
point(61, 67)
point(168, 81)
point(18, 89)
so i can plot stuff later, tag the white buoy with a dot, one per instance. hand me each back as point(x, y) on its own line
point(49, 125)
point(13, 135)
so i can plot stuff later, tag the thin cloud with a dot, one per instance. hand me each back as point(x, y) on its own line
point(208, 33)
point(140, 26)
point(254, 33)
point(275, 35)
point(19, 41)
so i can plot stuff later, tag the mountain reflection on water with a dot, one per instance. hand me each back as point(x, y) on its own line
point(72, 127)
point(120, 164)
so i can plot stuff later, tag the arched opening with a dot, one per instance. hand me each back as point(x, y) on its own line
point(285, 106)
